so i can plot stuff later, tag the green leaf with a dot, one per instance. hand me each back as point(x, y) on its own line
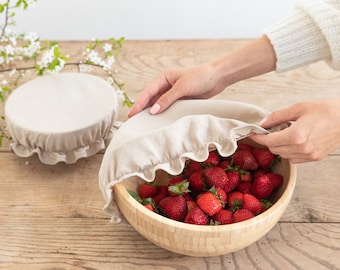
point(40, 70)
point(2, 8)
point(63, 57)
point(6, 89)
point(147, 201)
point(22, 2)
point(135, 196)
point(54, 63)
point(56, 52)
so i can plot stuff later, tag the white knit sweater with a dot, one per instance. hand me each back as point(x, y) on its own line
point(310, 34)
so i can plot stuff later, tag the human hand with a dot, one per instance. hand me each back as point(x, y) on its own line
point(207, 80)
point(196, 82)
point(313, 134)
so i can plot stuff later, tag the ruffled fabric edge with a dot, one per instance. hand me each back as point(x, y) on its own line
point(69, 157)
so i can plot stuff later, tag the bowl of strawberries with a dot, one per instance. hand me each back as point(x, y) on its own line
point(214, 207)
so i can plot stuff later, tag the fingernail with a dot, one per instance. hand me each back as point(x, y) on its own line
point(155, 108)
point(264, 120)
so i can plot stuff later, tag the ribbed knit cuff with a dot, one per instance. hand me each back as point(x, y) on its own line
point(297, 42)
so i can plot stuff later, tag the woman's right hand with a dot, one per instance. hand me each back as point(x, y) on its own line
point(173, 84)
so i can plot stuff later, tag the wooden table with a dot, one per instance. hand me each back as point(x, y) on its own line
point(51, 216)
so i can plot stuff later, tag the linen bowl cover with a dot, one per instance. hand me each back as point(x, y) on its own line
point(62, 117)
point(189, 129)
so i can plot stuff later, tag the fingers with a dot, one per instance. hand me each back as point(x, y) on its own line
point(167, 99)
point(283, 142)
point(275, 139)
point(150, 94)
point(288, 144)
point(282, 116)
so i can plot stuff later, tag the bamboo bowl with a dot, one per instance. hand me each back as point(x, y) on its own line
point(198, 240)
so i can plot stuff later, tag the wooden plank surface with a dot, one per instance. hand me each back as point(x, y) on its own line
point(51, 216)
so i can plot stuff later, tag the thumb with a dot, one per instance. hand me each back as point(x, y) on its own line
point(278, 117)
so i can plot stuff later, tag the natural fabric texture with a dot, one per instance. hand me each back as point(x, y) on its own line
point(310, 34)
point(62, 117)
point(189, 129)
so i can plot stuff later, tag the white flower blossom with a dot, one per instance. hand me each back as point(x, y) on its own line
point(110, 80)
point(47, 58)
point(85, 68)
point(94, 57)
point(107, 47)
point(32, 37)
point(111, 60)
point(9, 50)
point(59, 67)
point(121, 95)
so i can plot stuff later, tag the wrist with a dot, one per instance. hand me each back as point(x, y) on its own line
point(256, 58)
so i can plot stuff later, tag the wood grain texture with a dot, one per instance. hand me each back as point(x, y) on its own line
point(83, 243)
point(51, 216)
point(72, 190)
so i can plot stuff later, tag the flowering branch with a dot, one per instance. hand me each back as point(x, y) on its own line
point(21, 54)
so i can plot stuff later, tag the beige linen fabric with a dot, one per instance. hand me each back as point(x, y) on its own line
point(62, 117)
point(187, 130)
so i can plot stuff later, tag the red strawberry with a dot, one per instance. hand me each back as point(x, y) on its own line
point(209, 202)
point(222, 217)
point(174, 207)
point(149, 203)
point(263, 157)
point(188, 197)
point(150, 207)
point(262, 187)
point(158, 197)
point(213, 159)
point(241, 215)
point(215, 176)
point(191, 167)
point(191, 205)
point(276, 179)
point(147, 190)
point(163, 189)
point(222, 195)
point(235, 200)
point(245, 176)
point(245, 160)
point(224, 164)
point(196, 216)
point(244, 187)
point(233, 180)
point(178, 188)
point(252, 203)
point(260, 172)
point(244, 146)
point(175, 179)
point(197, 181)
point(161, 193)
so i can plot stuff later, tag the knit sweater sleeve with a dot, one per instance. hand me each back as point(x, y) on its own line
point(310, 34)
